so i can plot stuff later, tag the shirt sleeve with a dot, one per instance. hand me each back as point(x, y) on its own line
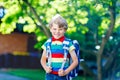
point(72, 47)
point(44, 46)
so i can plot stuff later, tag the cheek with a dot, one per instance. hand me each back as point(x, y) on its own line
point(51, 30)
point(63, 31)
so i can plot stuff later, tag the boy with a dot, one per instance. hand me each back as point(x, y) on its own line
point(58, 27)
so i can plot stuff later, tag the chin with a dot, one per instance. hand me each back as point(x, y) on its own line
point(57, 37)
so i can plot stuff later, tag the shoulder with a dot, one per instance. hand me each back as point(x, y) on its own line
point(49, 39)
point(68, 40)
point(74, 42)
point(47, 42)
point(70, 44)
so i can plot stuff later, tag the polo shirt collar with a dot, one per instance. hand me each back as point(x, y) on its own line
point(60, 39)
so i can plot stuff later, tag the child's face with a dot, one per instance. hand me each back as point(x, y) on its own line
point(57, 32)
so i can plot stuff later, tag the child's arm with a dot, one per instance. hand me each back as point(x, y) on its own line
point(43, 62)
point(72, 66)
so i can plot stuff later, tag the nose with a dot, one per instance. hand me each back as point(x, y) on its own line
point(57, 31)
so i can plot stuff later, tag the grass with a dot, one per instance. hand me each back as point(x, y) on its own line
point(32, 74)
point(36, 74)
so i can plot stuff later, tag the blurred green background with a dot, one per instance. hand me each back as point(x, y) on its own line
point(94, 23)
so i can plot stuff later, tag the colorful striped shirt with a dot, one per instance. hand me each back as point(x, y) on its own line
point(58, 54)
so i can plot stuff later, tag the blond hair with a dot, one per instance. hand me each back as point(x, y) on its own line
point(59, 20)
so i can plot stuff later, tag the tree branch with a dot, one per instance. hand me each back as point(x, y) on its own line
point(104, 40)
point(45, 29)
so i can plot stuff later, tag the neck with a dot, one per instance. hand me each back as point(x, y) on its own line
point(60, 39)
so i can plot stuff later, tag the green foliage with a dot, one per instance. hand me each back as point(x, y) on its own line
point(29, 25)
point(41, 38)
point(7, 28)
point(88, 20)
point(9, 20)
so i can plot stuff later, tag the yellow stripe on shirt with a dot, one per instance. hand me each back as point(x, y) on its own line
point(57, 42)
point(71, 48)
point(57, 59)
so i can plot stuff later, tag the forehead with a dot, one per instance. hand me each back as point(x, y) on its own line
point(56, 26)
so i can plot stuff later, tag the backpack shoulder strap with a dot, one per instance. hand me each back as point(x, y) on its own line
point(48, 49)
point(66, 44)
point(65, 48)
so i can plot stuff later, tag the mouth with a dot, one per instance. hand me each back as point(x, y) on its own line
point(57, 34)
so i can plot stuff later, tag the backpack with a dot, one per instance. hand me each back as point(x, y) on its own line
point(75, 71)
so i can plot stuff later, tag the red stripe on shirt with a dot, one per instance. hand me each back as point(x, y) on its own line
point(54, 72)
point(58, 55)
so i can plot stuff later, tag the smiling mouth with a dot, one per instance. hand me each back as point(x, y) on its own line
point(56, 34)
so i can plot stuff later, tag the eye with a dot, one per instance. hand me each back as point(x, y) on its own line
point(60, 29)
